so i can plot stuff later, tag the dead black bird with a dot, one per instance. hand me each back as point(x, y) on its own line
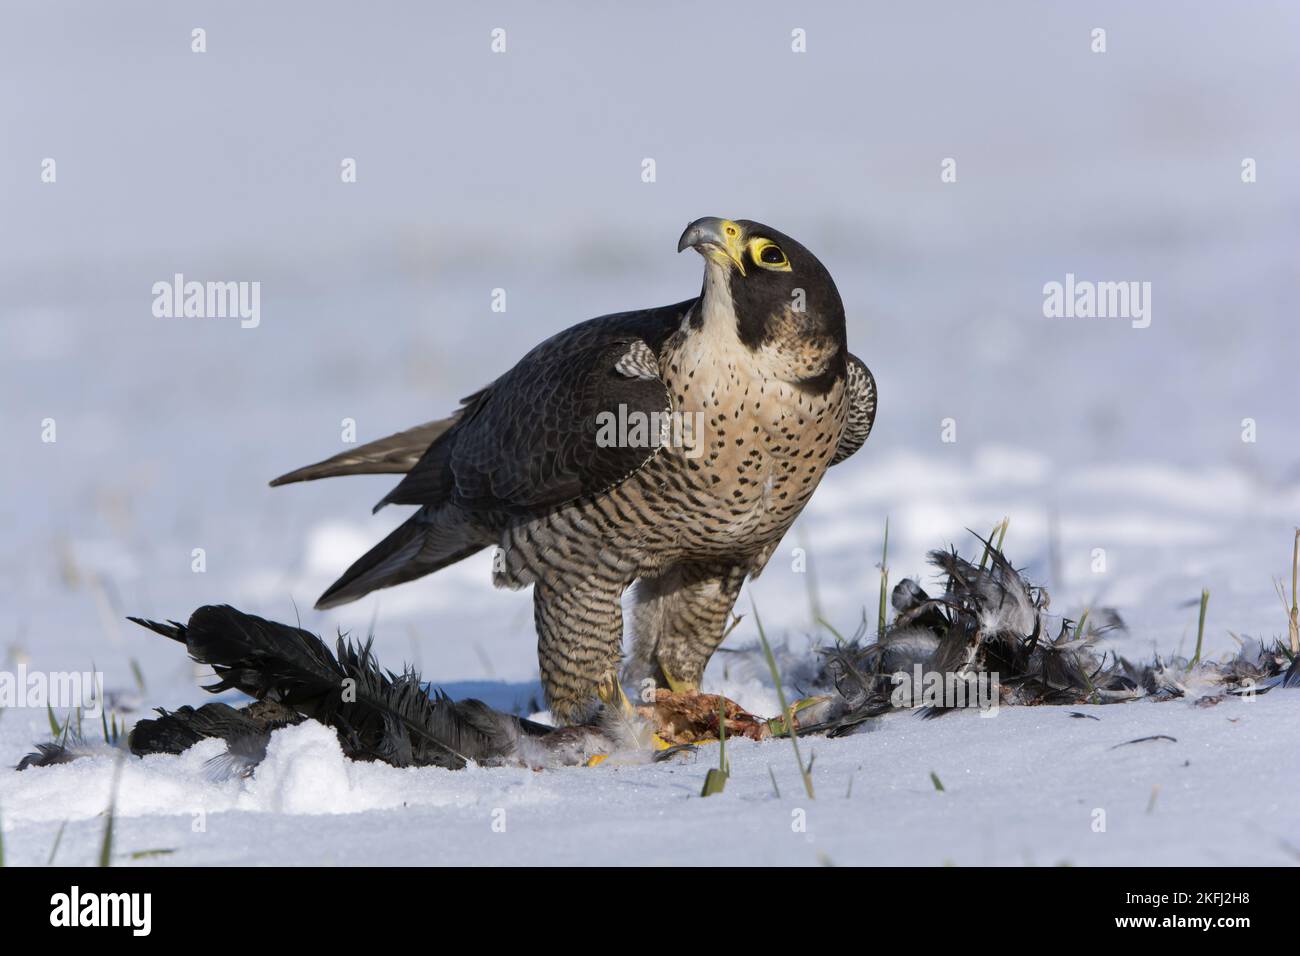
point(378, 715)
point(990, 622)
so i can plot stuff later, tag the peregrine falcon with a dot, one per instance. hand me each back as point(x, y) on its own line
point(667, 450)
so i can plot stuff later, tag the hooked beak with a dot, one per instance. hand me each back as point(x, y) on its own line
point(720, 240)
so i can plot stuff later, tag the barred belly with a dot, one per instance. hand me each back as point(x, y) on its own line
point(762, 453)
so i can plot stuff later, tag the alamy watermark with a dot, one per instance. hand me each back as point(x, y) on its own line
point(922, 688)
point(179, 299)
point(633, 428)
point(133, 911)
point(54, 690)
point(1083, 299)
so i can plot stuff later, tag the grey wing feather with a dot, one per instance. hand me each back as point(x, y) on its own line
point(396, 454)
point(533, 439)
point(862, 409)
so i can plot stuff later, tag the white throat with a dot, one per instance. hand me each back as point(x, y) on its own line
point(718, 331)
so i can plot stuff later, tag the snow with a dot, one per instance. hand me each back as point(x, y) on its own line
point(1094, 437)
point(1031, 786)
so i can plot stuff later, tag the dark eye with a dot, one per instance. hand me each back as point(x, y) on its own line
point(772, 255)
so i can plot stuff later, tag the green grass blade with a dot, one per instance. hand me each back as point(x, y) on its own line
point(106, 847)
point(1200, 628)
point(146, 854)
point(715, 781)
point(58, 838)
point(138, 674)
point(839, 638)
point(999, 529)
point(884, 585)
point(722, 735)
point(1293, 620)
point(786, 713)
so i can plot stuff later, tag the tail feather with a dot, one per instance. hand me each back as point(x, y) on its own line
point(429, 540)
point(394, 455)
point(173, 629)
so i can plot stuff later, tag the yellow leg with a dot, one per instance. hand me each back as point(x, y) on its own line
point(675, 685)
point(612, 695)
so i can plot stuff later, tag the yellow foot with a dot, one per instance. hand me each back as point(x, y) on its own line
point(780, 726)
point(679, 686)
point(612, 696)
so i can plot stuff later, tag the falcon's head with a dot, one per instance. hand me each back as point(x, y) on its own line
point(778, 294)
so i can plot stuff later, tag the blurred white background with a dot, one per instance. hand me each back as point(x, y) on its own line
point(522, 171)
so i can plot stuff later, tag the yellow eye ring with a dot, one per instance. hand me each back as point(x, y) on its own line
point(766, 254)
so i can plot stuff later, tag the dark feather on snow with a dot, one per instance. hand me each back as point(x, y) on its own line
point(991, 620)
point(47, 755)
point(378, 714)
point(987, 621)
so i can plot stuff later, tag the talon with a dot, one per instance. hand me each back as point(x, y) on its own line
point(612, 695)
point(675, 685)
point(611, 691)
point(657, 744)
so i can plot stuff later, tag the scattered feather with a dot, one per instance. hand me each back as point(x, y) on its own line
point(1142, 740)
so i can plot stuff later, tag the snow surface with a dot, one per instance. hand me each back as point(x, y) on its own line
point(1023, 788)
point(1089, 434)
